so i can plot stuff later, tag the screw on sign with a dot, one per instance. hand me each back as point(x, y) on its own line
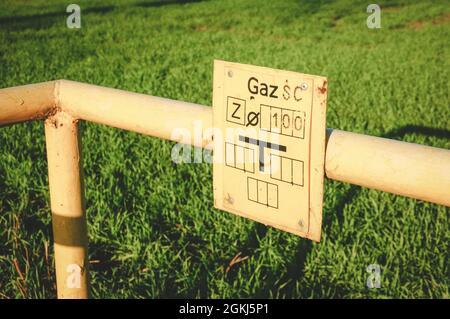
point(282, 128)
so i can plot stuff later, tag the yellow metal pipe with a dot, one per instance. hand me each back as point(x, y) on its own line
point(67, 204)
point(401, 168)
point(27, 102)
point(135, 112)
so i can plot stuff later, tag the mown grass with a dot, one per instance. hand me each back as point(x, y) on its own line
point(152, 229)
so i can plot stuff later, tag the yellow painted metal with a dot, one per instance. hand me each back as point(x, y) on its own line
point(270, 146)
point(67, 204)
point(401, 168)
point(27, 102)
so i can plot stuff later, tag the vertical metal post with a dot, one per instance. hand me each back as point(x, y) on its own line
point(67, 204)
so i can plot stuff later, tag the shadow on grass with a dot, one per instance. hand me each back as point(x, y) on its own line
point(418, 129)
point(46, 20)
point(155, 4)
point(101, 257)
point(191, 251)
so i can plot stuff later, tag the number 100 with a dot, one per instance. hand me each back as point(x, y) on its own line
point(288, 122)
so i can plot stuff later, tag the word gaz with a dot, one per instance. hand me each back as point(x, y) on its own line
point(270, 90)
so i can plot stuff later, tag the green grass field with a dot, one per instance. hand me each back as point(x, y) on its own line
point(152, 228)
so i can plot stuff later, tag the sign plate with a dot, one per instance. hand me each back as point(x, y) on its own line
point(269, 146)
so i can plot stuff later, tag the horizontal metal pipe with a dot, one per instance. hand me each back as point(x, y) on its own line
point(401, 168)
point(27, 102)
point(135, 112)
point(407, 169)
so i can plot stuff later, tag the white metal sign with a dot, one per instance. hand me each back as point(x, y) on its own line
point(269, 146)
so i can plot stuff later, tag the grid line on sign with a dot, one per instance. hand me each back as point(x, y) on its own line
point(282, 121)
point(240, 157)
point(287, 169)
point(262, 192)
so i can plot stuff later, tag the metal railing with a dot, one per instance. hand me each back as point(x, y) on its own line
point(401, 168)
